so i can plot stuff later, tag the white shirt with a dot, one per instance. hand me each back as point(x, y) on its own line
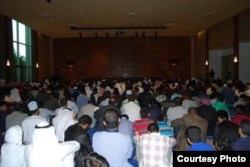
point(175, 112)
point(89, 110)
point(132, 110)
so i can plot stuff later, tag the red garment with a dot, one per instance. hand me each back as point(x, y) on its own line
point(238, 118)
point(141, 125)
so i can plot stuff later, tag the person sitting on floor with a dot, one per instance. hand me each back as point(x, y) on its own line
point(243, 143)
point(193, 136)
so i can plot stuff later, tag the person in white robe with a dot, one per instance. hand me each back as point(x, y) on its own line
point(12, 151)
point(46, 151)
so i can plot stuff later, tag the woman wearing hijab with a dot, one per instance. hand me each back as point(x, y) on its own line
point(12, 151)
point(46, 151)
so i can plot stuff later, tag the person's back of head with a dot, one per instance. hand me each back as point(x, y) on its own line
point(244, 128)
point(85, 121)
point(33, 108)
point(95, 160)
point(177, 101)
point(219, 97)
point(192, 110)
point(193, 133)
point(160, 118)
point(63, 102)
point(222, 115)
point(111, 119)
point(153, 127)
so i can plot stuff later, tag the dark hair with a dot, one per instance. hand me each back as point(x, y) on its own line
point(245, 127)
point(223, 144)
point(177, 101)
point(85, 119)
point(194, 134)
point(160, 118)
point(192, 110)
point(153, 127)
point(111, 118)
point(220, 97)
point(95, 160)
point(222, 114)
point(63, 101)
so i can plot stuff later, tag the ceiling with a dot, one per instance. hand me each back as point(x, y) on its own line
point(55, 18)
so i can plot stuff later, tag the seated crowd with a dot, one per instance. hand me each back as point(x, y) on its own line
point(120, 123)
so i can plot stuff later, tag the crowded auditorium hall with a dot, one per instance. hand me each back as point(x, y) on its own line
point(124, 83)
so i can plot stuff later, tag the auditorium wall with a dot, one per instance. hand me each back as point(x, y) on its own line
point(80, 58)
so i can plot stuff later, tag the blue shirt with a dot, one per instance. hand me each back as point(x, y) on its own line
point(201, 146)
point(241, 144)
point(165, 129)
point(116, 147)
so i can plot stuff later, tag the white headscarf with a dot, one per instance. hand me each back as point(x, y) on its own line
point(12, 151)
point(45, 150)
point(62, 121)
point(14, 95)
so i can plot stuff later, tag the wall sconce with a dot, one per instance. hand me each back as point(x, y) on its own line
point(8, 63)
point(235, 59)
point(37, 65)
point(206, 63)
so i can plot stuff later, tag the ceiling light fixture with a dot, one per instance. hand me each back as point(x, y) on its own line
point(75, 27)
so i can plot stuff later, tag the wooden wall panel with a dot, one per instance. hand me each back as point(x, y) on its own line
point(113, 57)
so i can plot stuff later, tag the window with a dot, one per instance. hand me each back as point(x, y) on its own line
point(22, 52)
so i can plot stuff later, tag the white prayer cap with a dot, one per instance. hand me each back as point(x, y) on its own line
point(32, 105)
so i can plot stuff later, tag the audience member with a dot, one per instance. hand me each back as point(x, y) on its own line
point(99, 116)
point(12, 151)
point(190, 119)
point(88, 109)
point(95, 160)
point(177, 111)
point(64, 118)
point(141, 124)
point(3, 115)
point(52, 103)
point(165, 129)
point(243, 143)
point(130, 107)
point(16, 117)
point(126, 126)
point(46, 151)
point(78, 132)
point(193, 135)
point(225, 128)
point(30, 122)
point(115, 146)
point(156, 149)
point(82, 99)
point(207, 112)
